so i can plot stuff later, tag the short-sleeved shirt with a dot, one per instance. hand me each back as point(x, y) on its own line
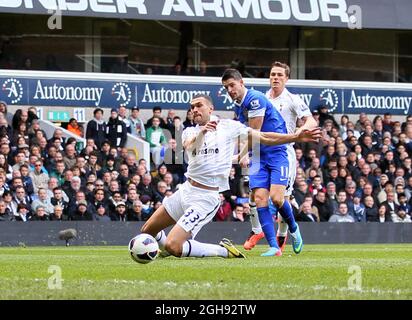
point(211, 163)
point(291, 107)
point(255, 104)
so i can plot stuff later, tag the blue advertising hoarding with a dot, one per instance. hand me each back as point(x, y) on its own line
point(60, 91)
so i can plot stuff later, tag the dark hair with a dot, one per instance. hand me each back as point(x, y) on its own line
point(231, 74)
point(282, 65)
point(157, 108)
point(97, 110)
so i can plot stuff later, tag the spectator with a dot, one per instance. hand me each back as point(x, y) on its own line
point(161, 191)
point(305, 213)
point(189, 122)
point(100, 214)
point(116, 131)
point(401, 216)
point(147, 208)
point(5, 213)
point(146, 188)
point(156, 139)
point(316, 186)
point(203, 69)
point(20, 116)
point(300, 192)
point(20, 197)
point(58, 200)
point(238, 213)
point(22, 213)
point(383, 214)
point(403, 205)
point(123, 117)
point(44, 201)
point(371, 211)
point(99, 198)
point(40, 214)
point(135, 213)
point(391, 206)
point(58, 214)
point(321, 204)
point(96, 128)
point(225, 210)
point(324, 116)
point(359, 209)
point(174, 160)
point(69, 158)
point(81, 213)
point(171, 114)
point(177, 129)
point(137, 125)
point(157, 112)
point(342, 214)
point(74, 127)
point(132, 197)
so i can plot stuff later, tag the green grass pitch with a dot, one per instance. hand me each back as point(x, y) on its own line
point(319, 272)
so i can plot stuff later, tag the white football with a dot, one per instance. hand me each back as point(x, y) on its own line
point(143, 248)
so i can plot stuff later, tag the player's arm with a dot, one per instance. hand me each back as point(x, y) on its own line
point(274, 138)
point(303, 112)
point(309, 123)
point(197, 140)
point(256, 123)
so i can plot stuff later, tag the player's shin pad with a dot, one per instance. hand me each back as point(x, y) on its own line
point(282, 227)
point(254, 219)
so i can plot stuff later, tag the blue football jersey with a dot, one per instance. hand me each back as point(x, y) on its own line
point(256, 104)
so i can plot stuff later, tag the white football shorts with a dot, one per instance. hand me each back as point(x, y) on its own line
point(192, 207)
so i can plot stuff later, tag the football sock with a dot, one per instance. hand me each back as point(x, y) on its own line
point(282, 227)
point(266, 221)
point(161, 239)
point(254, 219)
point(193, 248)
point(273, 209)
point(286, 212)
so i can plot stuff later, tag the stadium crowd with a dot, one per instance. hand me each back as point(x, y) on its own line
point(359, 172)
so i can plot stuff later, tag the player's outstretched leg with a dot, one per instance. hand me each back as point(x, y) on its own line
point(282, 233)
point(232, 251)
point(161, 240)
point(297, 241)
point(193, 248)
point(256, 234)
point(282, 230)
point(266, 220)
point(286, 212)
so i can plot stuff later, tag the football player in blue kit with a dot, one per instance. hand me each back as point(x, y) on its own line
point(269, 168)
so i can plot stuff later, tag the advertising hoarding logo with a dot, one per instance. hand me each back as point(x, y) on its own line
point(228, 103)
point(329, 98)
point(14, 89)
point(123, 93)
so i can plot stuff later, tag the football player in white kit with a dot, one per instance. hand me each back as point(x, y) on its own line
point(292, 108)
point(210, 146)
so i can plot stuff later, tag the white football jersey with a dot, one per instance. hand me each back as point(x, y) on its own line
point(291, 107)
point(210, 164)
